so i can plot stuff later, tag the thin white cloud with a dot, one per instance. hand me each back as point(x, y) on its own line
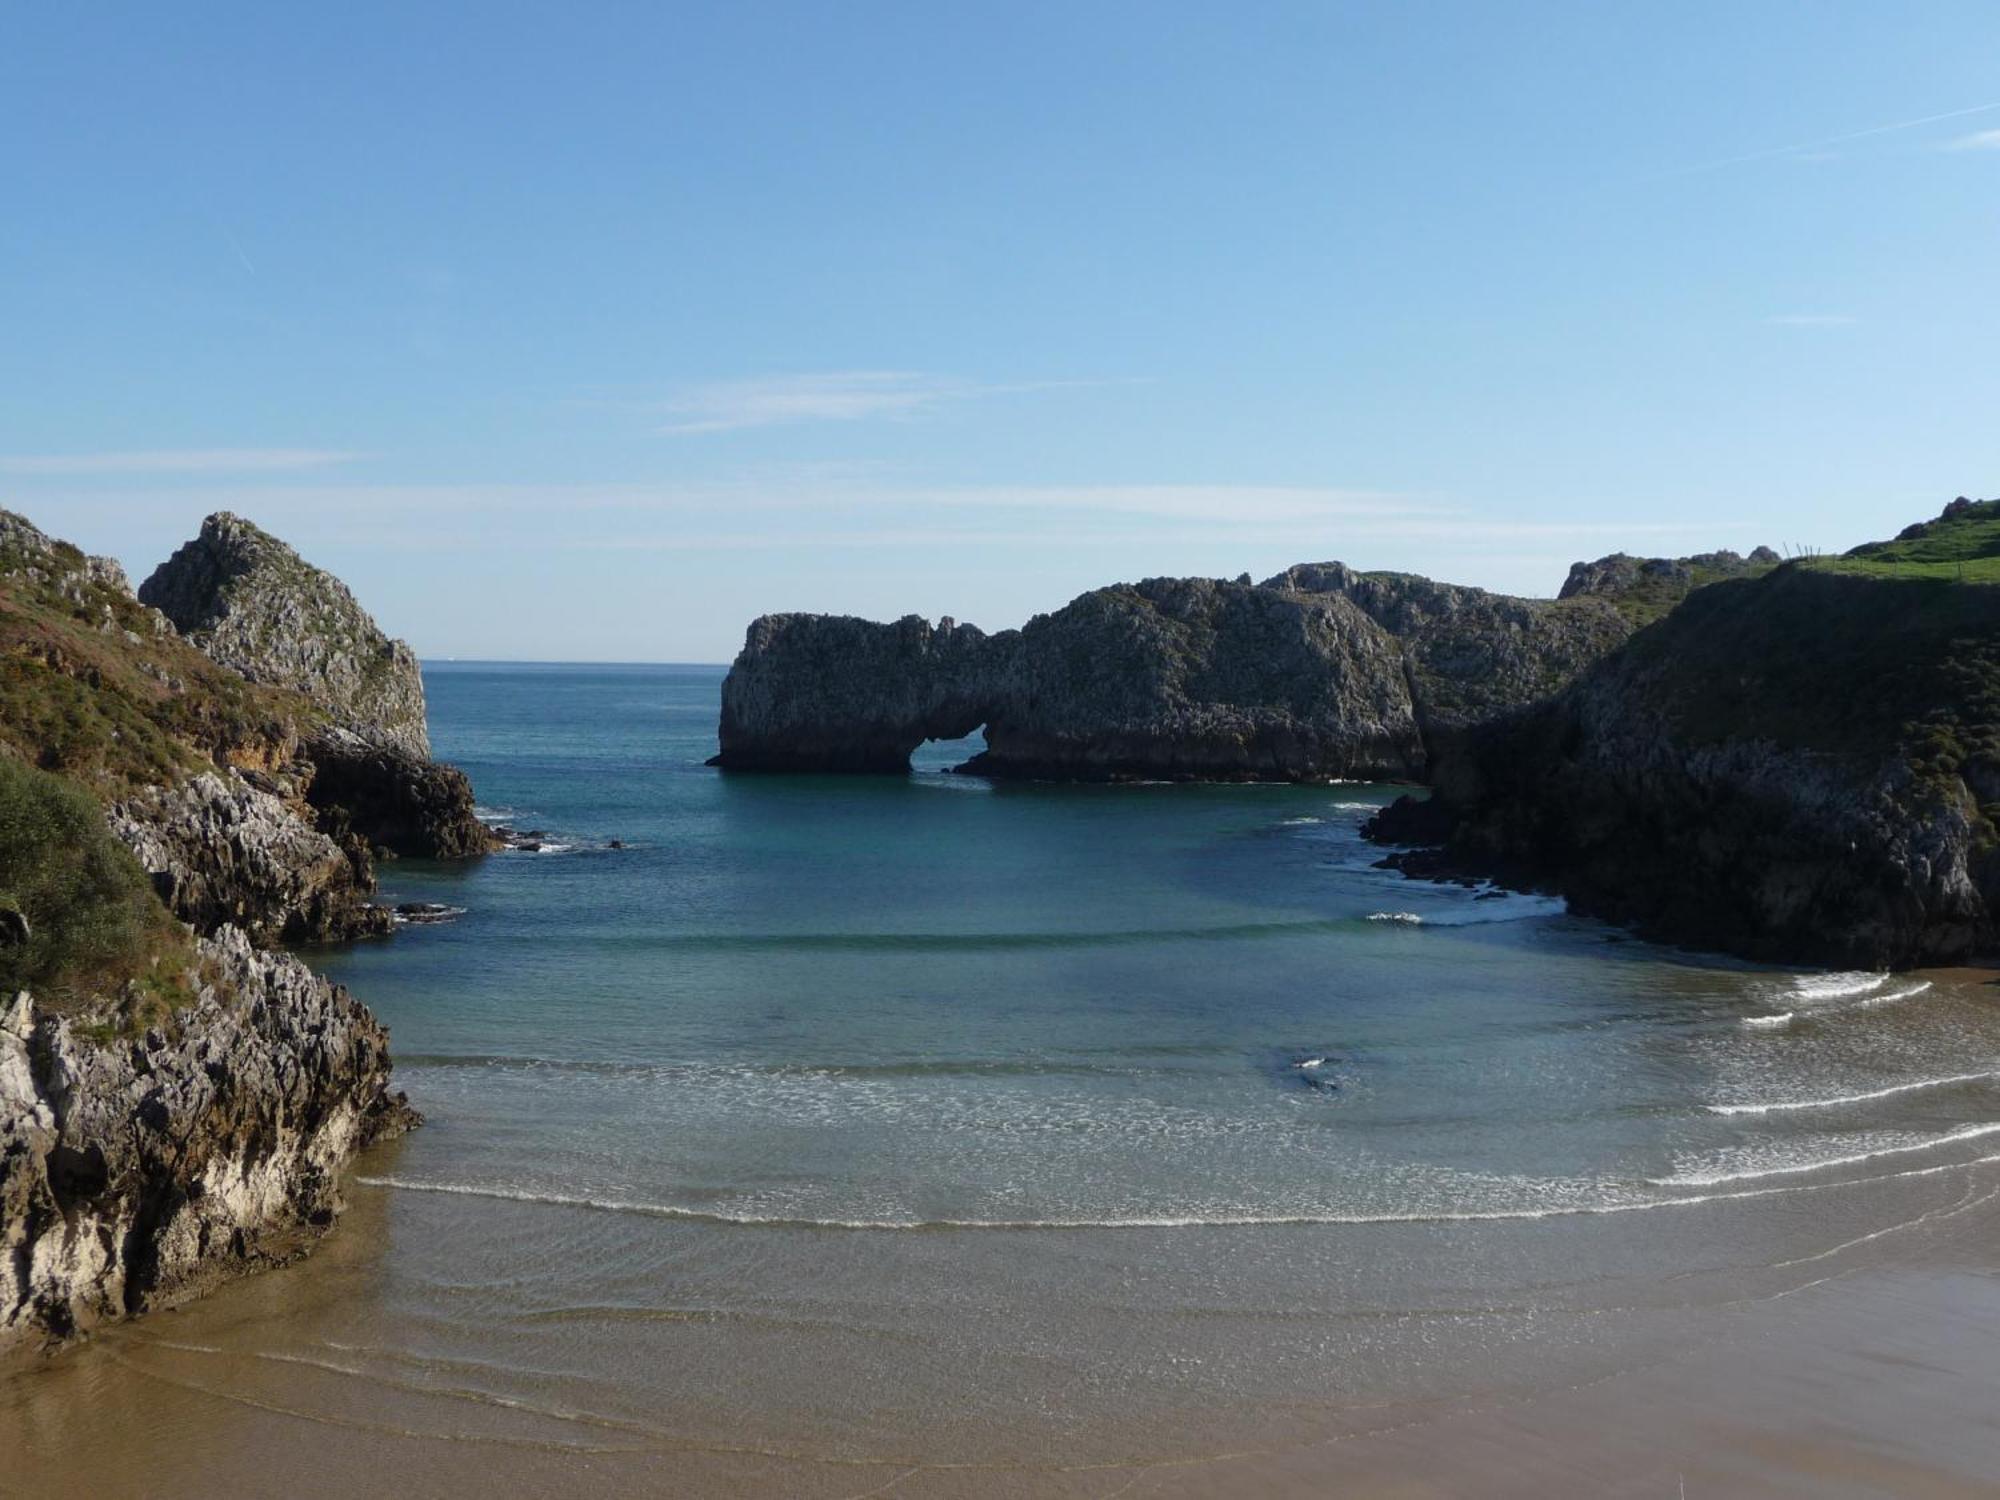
point(1812, 320)
point(831, 396)
point(1816, 149)
point(1979, 140)
point(176, 461)
point(1305, 521)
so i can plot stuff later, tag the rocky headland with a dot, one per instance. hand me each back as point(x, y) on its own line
point(1801, 766)
point(184, 788)
point(1320, 672)
point(1795, 761)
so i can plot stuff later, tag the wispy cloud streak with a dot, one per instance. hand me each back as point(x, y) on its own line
point(176, 461)
point(832, 396)
point(1806, 147)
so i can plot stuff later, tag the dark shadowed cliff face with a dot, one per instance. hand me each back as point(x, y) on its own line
point(1803, 767)
point(1171, 677)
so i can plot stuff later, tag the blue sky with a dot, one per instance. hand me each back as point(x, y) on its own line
point(589, 332)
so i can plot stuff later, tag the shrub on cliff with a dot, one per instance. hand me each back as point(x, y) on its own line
point(78, 918)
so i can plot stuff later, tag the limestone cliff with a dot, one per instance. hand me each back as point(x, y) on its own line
point(1472, 655)
point(139, 1172)
point(1193, 678)
point(833, 693)
point(256, 606)
point(1319, 672)
point(174, 1104)
point(253, 605)
point(219, 851)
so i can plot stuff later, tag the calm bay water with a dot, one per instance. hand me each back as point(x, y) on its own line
point(843, 1123)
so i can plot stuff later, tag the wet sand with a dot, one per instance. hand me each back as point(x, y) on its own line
point(1874, 1370)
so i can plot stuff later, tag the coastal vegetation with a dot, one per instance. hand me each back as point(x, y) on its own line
point(80, 925)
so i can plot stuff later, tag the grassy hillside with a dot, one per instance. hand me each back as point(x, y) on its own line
point(91, 687)
point(1962, 545)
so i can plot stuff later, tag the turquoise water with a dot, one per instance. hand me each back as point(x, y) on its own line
point(829, 1109)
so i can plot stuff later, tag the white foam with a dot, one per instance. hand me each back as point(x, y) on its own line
point(1406, 918)
point(1835, 1101)
point(1827, 1164)
point(1770, 1023)
point(1299, 822)
point(1310, 1063)
point(1890, 997)
point(1162, 1221)
point(1836, 986)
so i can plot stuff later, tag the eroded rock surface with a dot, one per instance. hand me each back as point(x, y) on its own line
point(1319, 672)
point(139, 1172)
point(222, 851)
point(253, 604)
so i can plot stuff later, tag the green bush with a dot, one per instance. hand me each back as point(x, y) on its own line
point(79, 920)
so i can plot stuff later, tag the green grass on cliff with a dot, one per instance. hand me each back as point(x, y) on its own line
point(1960, 546)
point(91, 689)
point(96, 936)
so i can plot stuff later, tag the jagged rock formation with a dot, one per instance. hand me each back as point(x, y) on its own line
point(255, 605)
point(221, 851)
point(1319, 672)
point(139, 1173)
point(169, 1116)
point(1802, 766)
point(1193, 678)
point(1167, 678)
point(1471, 655)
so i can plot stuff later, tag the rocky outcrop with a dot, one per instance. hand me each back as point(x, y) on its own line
point(1801, 767)
point(1471, 655)
point(833, 693)
point(1319, 672)
point(139, 1172)
point(162, 1126)
point(1168, 678)
point(222, 851)
point(253, 604)
point(392, 801)
point(1199, 679)
point(1645, 588)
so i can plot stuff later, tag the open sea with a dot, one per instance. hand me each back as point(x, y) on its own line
point(845, 1133)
